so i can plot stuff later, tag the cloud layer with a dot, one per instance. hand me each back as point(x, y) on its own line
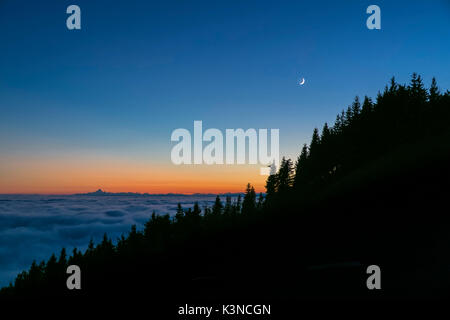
point(32, 227)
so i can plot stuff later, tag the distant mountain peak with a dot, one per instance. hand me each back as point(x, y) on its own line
point(100, 192)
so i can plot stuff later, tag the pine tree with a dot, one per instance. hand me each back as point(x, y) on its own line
point(217, 207)
point(338, 124)
point(348, 117)
point(434, 92)
point(90, 249)
point(356, 109)
point(315, 142)
point(417, 89)
point(51, 271)
point(228, 206)
point(133, 237)
point(196, 210)
point(63, 258)
point(393, 88)
point(260, 203)
point(325, 137)
point(36, 275)
point(285, 175)
point(271, 186)
point(105, 249)
point(300, 167)
point(314, 154)
point(180, 213)
point(238, 204)
point(249, 203)
point(367, 107)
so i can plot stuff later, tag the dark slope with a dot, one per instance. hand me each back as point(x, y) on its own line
point(373, 189)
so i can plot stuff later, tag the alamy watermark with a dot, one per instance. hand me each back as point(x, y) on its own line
point(191, 151)
point(73, 22)
point(374, 20)
point(74, 280)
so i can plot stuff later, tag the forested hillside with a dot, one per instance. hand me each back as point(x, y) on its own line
point(372, 188)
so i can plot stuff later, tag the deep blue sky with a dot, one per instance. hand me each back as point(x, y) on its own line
point(139, 69)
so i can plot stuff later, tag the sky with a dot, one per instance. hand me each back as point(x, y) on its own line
point(95, 108)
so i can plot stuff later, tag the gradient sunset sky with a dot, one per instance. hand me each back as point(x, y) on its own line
point(95, 108)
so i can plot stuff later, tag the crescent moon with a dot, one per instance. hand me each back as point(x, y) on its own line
point(302, 82)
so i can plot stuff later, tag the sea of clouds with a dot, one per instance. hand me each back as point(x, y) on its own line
point(32, 227)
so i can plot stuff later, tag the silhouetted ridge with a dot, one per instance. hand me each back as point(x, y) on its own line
point(370, 189)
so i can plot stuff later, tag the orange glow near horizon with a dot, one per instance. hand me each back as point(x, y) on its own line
point(65, 175)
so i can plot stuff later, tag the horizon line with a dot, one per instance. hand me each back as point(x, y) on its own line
point(122, 192)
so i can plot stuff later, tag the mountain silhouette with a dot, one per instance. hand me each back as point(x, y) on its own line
point(371, 189)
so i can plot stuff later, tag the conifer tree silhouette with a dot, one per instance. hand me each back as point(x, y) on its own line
point(249, 203)
point(217, 207)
